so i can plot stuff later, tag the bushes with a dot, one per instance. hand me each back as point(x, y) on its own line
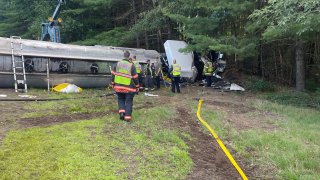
point(312, 85)
point(255, 84)
point(298, 99)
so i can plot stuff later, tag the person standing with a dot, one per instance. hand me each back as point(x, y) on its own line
point(158, 76)
point(148, 74)
point(125, 83)
point(208, 72)
point(153, 75)
point(175, 73)
point(138, 69)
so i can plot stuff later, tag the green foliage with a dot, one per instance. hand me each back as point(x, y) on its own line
point(298, 99)
point(255, 84)
point(85, 20)
point(312, 85)
point(288, 18)
point(114, 37)
point(23, 20)
point(206, 25)
point(152, 20)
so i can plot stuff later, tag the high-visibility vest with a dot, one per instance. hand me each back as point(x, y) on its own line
point(208, 69)
point(138, 66)
point(123, 74)
point(147, 70)
point(176, 70)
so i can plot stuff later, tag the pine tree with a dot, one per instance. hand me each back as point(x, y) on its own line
point(297, 20)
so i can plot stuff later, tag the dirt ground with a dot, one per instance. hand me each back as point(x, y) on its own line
point(209, 160)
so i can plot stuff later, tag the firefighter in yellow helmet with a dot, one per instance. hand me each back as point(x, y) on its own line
point(175, 72)
point(125, 84)
point(208, 72)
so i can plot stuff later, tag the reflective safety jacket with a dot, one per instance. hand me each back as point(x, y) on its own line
point(208, 69)
point(125, 77)
point(137, 66)
point(176, 70)
point(148, 70)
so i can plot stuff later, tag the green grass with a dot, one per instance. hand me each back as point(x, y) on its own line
point(101, 148)
point(293, 98)
point(63, 151)
point(291, 151)
point(294, 149)
point(43, 108)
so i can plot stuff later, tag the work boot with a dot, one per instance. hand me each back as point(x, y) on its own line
point(127, 118)
point(122, 116)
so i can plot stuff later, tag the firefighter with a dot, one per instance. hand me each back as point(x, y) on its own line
point(158, 76)
point(175, 74)
point(208, 72)
point(125, 84)
point(148, 80)
point(138, 69)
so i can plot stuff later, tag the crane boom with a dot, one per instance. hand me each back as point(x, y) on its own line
point(57, 10)
point(51, 29)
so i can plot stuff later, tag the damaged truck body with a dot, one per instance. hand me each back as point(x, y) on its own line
point(48, 64)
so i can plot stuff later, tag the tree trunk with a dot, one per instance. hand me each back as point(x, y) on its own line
point(145, 33)
point(135, 21)
point(275, 65)
point(146, 39)
point(260, 63)
point(300, 67)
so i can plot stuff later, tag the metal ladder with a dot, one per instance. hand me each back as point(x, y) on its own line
point(18, 67)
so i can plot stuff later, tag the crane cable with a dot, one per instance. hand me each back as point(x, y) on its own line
point(223, 147)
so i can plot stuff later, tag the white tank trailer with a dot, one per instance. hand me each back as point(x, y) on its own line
point(48, 63)
point(185, 60)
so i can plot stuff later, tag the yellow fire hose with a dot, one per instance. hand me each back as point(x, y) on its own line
point(223, 147)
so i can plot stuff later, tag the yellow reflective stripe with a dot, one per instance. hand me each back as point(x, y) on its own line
point(121, 74)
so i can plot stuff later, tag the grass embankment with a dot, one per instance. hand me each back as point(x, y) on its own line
point(292, 149)
point(98, 148)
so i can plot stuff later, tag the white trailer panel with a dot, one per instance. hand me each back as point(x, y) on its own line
point(185, 60)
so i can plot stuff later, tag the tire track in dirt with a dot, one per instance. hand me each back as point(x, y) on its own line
point(209, 161)
point(52, 120)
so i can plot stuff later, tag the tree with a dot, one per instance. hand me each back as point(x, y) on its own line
point(205, 24)
point(297, 20)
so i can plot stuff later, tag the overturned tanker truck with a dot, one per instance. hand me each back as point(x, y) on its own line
point(46, 64)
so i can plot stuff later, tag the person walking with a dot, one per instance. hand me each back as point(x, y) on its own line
point(125, 83)
point(148, 76)
point(175, 70)
point(208, 72)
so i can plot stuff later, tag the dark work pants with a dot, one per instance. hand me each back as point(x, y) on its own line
point(209, 80)
point(125, 102)
point(141, 83)
point(175, 84)
point(149, 82)
point(158, 81)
